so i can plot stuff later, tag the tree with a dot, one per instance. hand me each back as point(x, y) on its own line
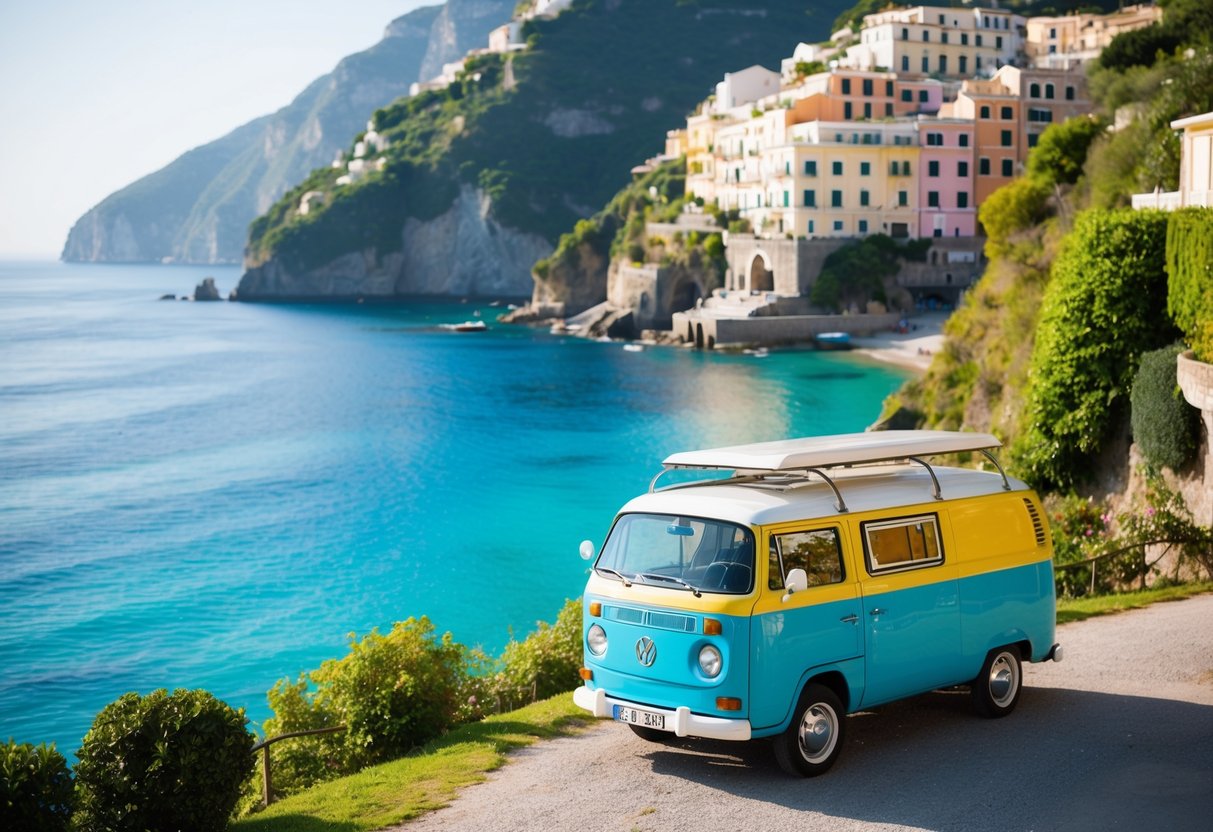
point(1060, 154)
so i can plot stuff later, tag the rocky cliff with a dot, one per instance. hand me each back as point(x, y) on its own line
point(480, 176)
point(197, 209)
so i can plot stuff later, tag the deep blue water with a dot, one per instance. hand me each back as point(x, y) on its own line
point(217, 495)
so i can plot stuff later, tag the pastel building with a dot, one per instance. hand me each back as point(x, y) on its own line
point(1195, 168)
point(938, 40)
point(1064, 42)
point(947, 204)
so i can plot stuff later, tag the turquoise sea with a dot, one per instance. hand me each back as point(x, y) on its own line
point(216, 495)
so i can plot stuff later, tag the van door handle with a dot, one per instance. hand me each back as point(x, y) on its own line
point(850, 619)
point(877, 611)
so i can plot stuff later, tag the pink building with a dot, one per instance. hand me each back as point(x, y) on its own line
point(946, 203)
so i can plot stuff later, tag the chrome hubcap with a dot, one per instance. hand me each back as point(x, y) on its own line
point(1004, 680)
point(818, 732)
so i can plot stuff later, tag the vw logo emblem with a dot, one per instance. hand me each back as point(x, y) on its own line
point(646, 651)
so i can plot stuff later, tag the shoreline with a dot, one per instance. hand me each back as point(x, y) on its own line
point(911, 350)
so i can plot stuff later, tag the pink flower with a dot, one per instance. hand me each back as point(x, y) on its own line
point(1088, 532)
point(1150, 511)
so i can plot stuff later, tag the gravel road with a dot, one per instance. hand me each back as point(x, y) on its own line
point(1118, 736)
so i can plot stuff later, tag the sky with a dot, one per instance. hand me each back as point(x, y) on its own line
point(94, 95)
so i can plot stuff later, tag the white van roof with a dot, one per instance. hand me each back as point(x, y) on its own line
point(826, 475)
point(827, 451)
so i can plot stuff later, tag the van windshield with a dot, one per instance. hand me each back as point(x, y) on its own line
point(684, 553)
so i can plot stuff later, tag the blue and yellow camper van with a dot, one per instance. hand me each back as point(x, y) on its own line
point(795, 582)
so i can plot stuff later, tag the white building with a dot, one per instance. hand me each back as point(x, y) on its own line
point(938, 40)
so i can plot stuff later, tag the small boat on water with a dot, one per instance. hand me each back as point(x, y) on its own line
point(833, 340)
point(633, 348)
point(468, 326)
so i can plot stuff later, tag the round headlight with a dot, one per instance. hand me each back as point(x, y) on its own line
point(596, 639)
point(710, 661)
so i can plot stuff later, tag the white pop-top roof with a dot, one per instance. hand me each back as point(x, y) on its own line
point(827, 451)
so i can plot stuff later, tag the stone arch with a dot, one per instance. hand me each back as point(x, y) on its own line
point(699, 336)
point(690, 332)
point(685, 294)
point(760, 277)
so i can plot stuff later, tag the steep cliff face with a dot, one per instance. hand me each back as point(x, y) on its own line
point(197, 209)
point(462, 252)
point(540, 136)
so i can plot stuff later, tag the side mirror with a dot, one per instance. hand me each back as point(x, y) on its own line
point(797, 581)
point(587, 550)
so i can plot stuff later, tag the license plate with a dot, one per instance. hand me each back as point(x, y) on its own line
point(635, 716)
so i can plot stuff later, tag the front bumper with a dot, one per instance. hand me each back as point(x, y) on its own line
point(686, 724)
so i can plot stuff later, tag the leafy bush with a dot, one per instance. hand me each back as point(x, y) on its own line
point(35, 788)
point(1062, 150)
point(162, 761)
point(1190, 277)
point(1010, 210)
point(393, 692)
point(546, 662)
point(1165, 426)
point(1102, 309)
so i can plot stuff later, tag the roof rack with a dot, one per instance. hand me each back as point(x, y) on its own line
point(789, 463)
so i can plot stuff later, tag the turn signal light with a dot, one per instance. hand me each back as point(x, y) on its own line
point(586, 674)
point(711, 627)
point(728, 703)
point(595, 608)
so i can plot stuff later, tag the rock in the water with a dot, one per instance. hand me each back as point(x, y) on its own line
point(206, 290)
point(168, 297)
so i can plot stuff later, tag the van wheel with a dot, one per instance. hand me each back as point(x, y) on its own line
point(996, 689)
point(651, 734)
point(813, 741)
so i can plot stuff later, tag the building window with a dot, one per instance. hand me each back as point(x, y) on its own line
point(998, 42)
point(888, 110)
point(867, 109)
point(979, 42)
point(903, 198)
point(846, 86)
point(863, 198)
point(962, 169)
point(888, 88)
point(932, 199)
point(964, 39)
point(1052, 34)
point(964, 64)
point(787, 199)
point(863, 226)
point(1069, 93)
point(943, 64)
point(1048, 90)
point(1034, 90)
point(984, 112)
point(1008, 167)
point(926, 63)
point(977, 60)
point(964, 139)
point(1005, 138)
point(933, 168)
point(941, 20)
point(926, 35)
point(943, 38)
point(838, 225)
point(905, 63)
point(867, 86)
point(905, 33)
point(1006, 114)
point(810, 167)
point(810, 199)
point(983, 167)
point(810, 226)
point(962, 199)
point(907, 96)
point(847, 112)
point(922, 96)
point(865, 168)
point(835, 199)
point(836, 168)
point(1032, 139)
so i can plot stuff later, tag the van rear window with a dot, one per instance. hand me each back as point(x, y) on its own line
point(904, 543)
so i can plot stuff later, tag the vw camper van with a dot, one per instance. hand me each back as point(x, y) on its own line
point(790, 583)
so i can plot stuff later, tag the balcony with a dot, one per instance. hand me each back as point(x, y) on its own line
point(1163, 201)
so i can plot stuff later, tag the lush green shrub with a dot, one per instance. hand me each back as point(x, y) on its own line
point(394, 692)
point(546, 662)
point(1190, 277)
point(1102, 309)
point(35, 788)
point(1011, 209)
point(1062, 150)
point(162, 761)
point(1165, 426)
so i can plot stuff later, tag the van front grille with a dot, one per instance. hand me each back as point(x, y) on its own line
point(651, 618)
point(1037, 525)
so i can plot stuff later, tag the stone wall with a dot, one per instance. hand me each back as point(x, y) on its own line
point(708, 332)
point(1196, 380)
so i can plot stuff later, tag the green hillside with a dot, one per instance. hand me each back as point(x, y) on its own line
point(549, 134)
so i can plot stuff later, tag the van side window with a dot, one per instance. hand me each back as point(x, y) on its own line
point(904, 543)
point(818, 553)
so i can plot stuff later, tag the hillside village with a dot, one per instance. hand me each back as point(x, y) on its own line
point(903, 128)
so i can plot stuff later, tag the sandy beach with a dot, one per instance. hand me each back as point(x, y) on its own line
point(912, 350)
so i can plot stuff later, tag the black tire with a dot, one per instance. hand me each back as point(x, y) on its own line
point(815, 737)
point(651, 734)
point(996, 689)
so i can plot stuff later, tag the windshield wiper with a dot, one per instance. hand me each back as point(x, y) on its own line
point(622, 577)
point(671, 579)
